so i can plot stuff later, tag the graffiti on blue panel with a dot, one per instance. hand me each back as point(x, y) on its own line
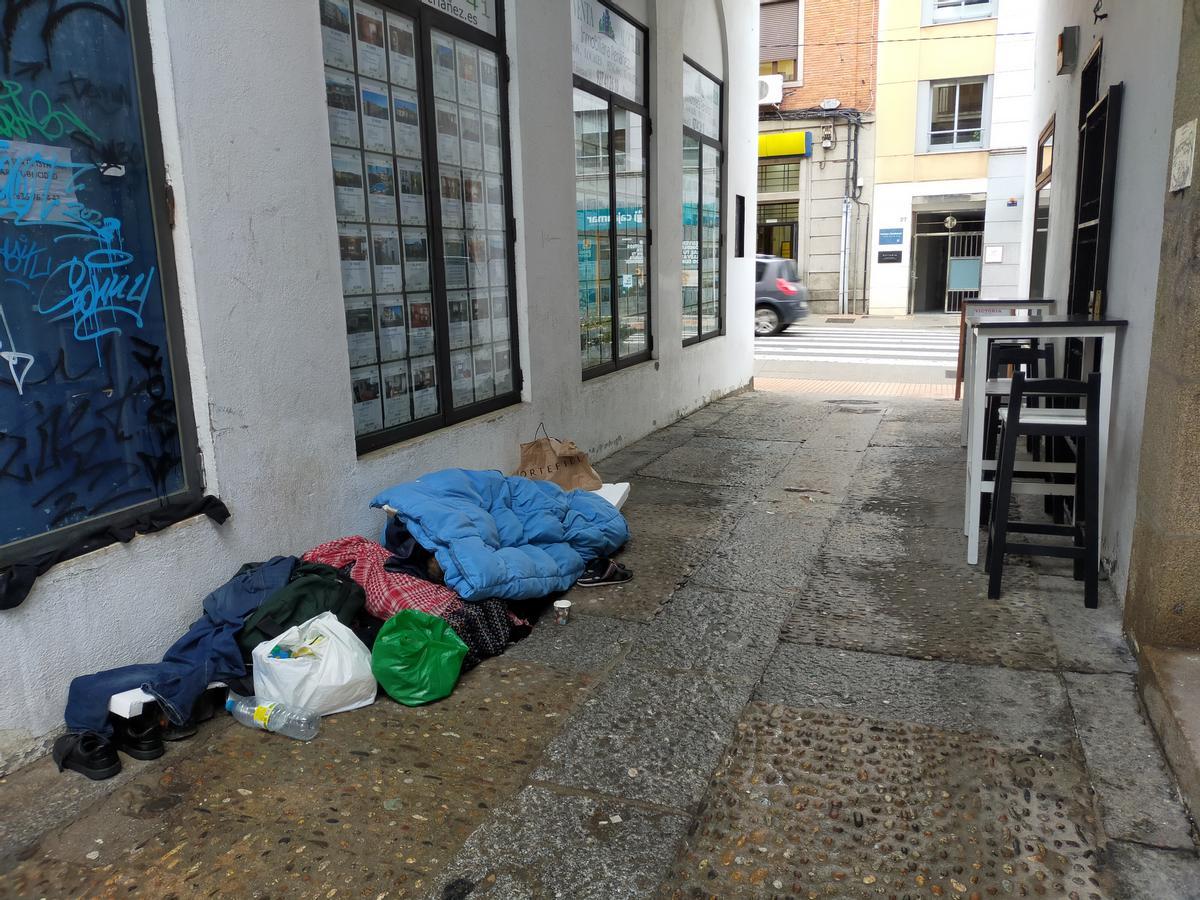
point(87, 405)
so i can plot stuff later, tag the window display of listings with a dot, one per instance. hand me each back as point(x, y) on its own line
point(420, 179)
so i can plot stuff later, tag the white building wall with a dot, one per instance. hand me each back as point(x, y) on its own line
point(247, 149)
point(1008, 133)
point(1012, 89)
point(1012, 81)
point(1002, 225)
point(894, 209)
point(1141, 50)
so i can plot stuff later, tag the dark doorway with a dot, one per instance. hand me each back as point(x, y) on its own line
point(777, 226)
point(947, 261)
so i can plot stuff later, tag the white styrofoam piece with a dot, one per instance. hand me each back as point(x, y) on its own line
point(128, 704)
point(616, 494)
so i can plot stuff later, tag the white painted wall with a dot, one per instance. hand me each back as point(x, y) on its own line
point(1141, 49)
point(1002, 225)
point(247, 148)
point(893, 209)
point(1012, 79)
point(1012, 89)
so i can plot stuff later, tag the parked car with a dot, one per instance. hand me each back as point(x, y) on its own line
point(780, 298)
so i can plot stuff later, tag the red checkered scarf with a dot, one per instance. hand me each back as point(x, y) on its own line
point(387, 592)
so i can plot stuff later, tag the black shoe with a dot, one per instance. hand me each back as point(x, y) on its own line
point(603, 571)
point(88, 754)
point(139, 738)
point(169, 731)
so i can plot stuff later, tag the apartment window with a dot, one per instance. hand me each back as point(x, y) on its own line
point(779, 39)
point(703, 237)
point(95, 415)
point(418, 123)
point(954, 113)
point(936, 12)
point(612, 151)
point(784, 67)
point(779, 177)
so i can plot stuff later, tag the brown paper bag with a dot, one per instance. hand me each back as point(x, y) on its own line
point(549, 459)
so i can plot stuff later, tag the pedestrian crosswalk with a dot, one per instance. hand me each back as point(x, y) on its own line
point(936, 348)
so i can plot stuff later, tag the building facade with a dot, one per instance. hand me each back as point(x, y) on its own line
point(396, 241)
point(954, 84)
point(817, 143)
point(1113, 63)
point(1114, 232)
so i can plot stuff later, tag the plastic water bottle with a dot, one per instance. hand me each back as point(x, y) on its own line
point(270, 715)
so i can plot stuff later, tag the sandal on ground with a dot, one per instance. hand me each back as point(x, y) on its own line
point(603, 571)
point(88, 754)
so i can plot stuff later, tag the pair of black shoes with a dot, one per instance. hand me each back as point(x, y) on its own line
point(95, 755)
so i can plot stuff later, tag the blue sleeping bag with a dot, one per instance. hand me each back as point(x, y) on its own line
point(504, 536)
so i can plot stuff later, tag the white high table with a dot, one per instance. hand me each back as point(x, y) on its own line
point(972, 311)
point(1008, 328)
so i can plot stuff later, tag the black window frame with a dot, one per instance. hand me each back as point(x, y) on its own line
point(426, 20)
point(613, 100)
point(68, 540)
point(719, 146)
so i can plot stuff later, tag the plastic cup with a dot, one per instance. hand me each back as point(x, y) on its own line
point(562, 611)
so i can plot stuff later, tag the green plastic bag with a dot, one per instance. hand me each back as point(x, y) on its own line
point(417, 657)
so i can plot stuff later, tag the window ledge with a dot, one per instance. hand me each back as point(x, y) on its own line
point(959, 21)
point(601, 377)
point(942, 152)
point(445, 432)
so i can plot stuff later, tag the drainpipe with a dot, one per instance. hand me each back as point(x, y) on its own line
point(844, 262)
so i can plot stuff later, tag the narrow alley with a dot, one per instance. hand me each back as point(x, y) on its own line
point(804, 692)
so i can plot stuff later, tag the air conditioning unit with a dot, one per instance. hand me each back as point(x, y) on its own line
point(770, 89)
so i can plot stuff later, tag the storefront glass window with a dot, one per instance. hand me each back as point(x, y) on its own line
point(417, 119)
point(611, 188)
point(703, 160)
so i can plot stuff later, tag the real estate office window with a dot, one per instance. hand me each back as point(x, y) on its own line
point(703, 222)
point(954, 114)
point(418, 122)
point(612, 155)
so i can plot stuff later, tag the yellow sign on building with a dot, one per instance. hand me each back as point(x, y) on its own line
point(784, 143)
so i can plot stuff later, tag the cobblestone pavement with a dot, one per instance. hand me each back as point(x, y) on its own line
point(803, 693)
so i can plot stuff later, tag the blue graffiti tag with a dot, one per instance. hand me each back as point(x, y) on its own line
point(24, 258)
point(98, 289)
point(98, 292)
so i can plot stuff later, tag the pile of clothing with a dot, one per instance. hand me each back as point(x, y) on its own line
point(459, 545)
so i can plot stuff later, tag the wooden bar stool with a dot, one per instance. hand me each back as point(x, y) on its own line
point(1080, 424)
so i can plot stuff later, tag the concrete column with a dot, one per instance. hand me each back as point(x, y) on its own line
point(1161, 606)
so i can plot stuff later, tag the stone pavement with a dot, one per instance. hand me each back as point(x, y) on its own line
point(804, 693)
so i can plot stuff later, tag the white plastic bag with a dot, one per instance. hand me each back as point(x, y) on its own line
point(329, 670)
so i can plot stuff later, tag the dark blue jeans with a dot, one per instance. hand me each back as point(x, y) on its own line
point(207, 652)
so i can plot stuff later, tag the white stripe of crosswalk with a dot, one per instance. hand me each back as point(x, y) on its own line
point(864, 360)
point(874, 346)
point(844, 342)
point(948, 334)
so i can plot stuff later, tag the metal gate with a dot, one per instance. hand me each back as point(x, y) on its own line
point(964, 266)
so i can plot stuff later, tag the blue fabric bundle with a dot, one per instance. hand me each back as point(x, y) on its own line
point(505, 536)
